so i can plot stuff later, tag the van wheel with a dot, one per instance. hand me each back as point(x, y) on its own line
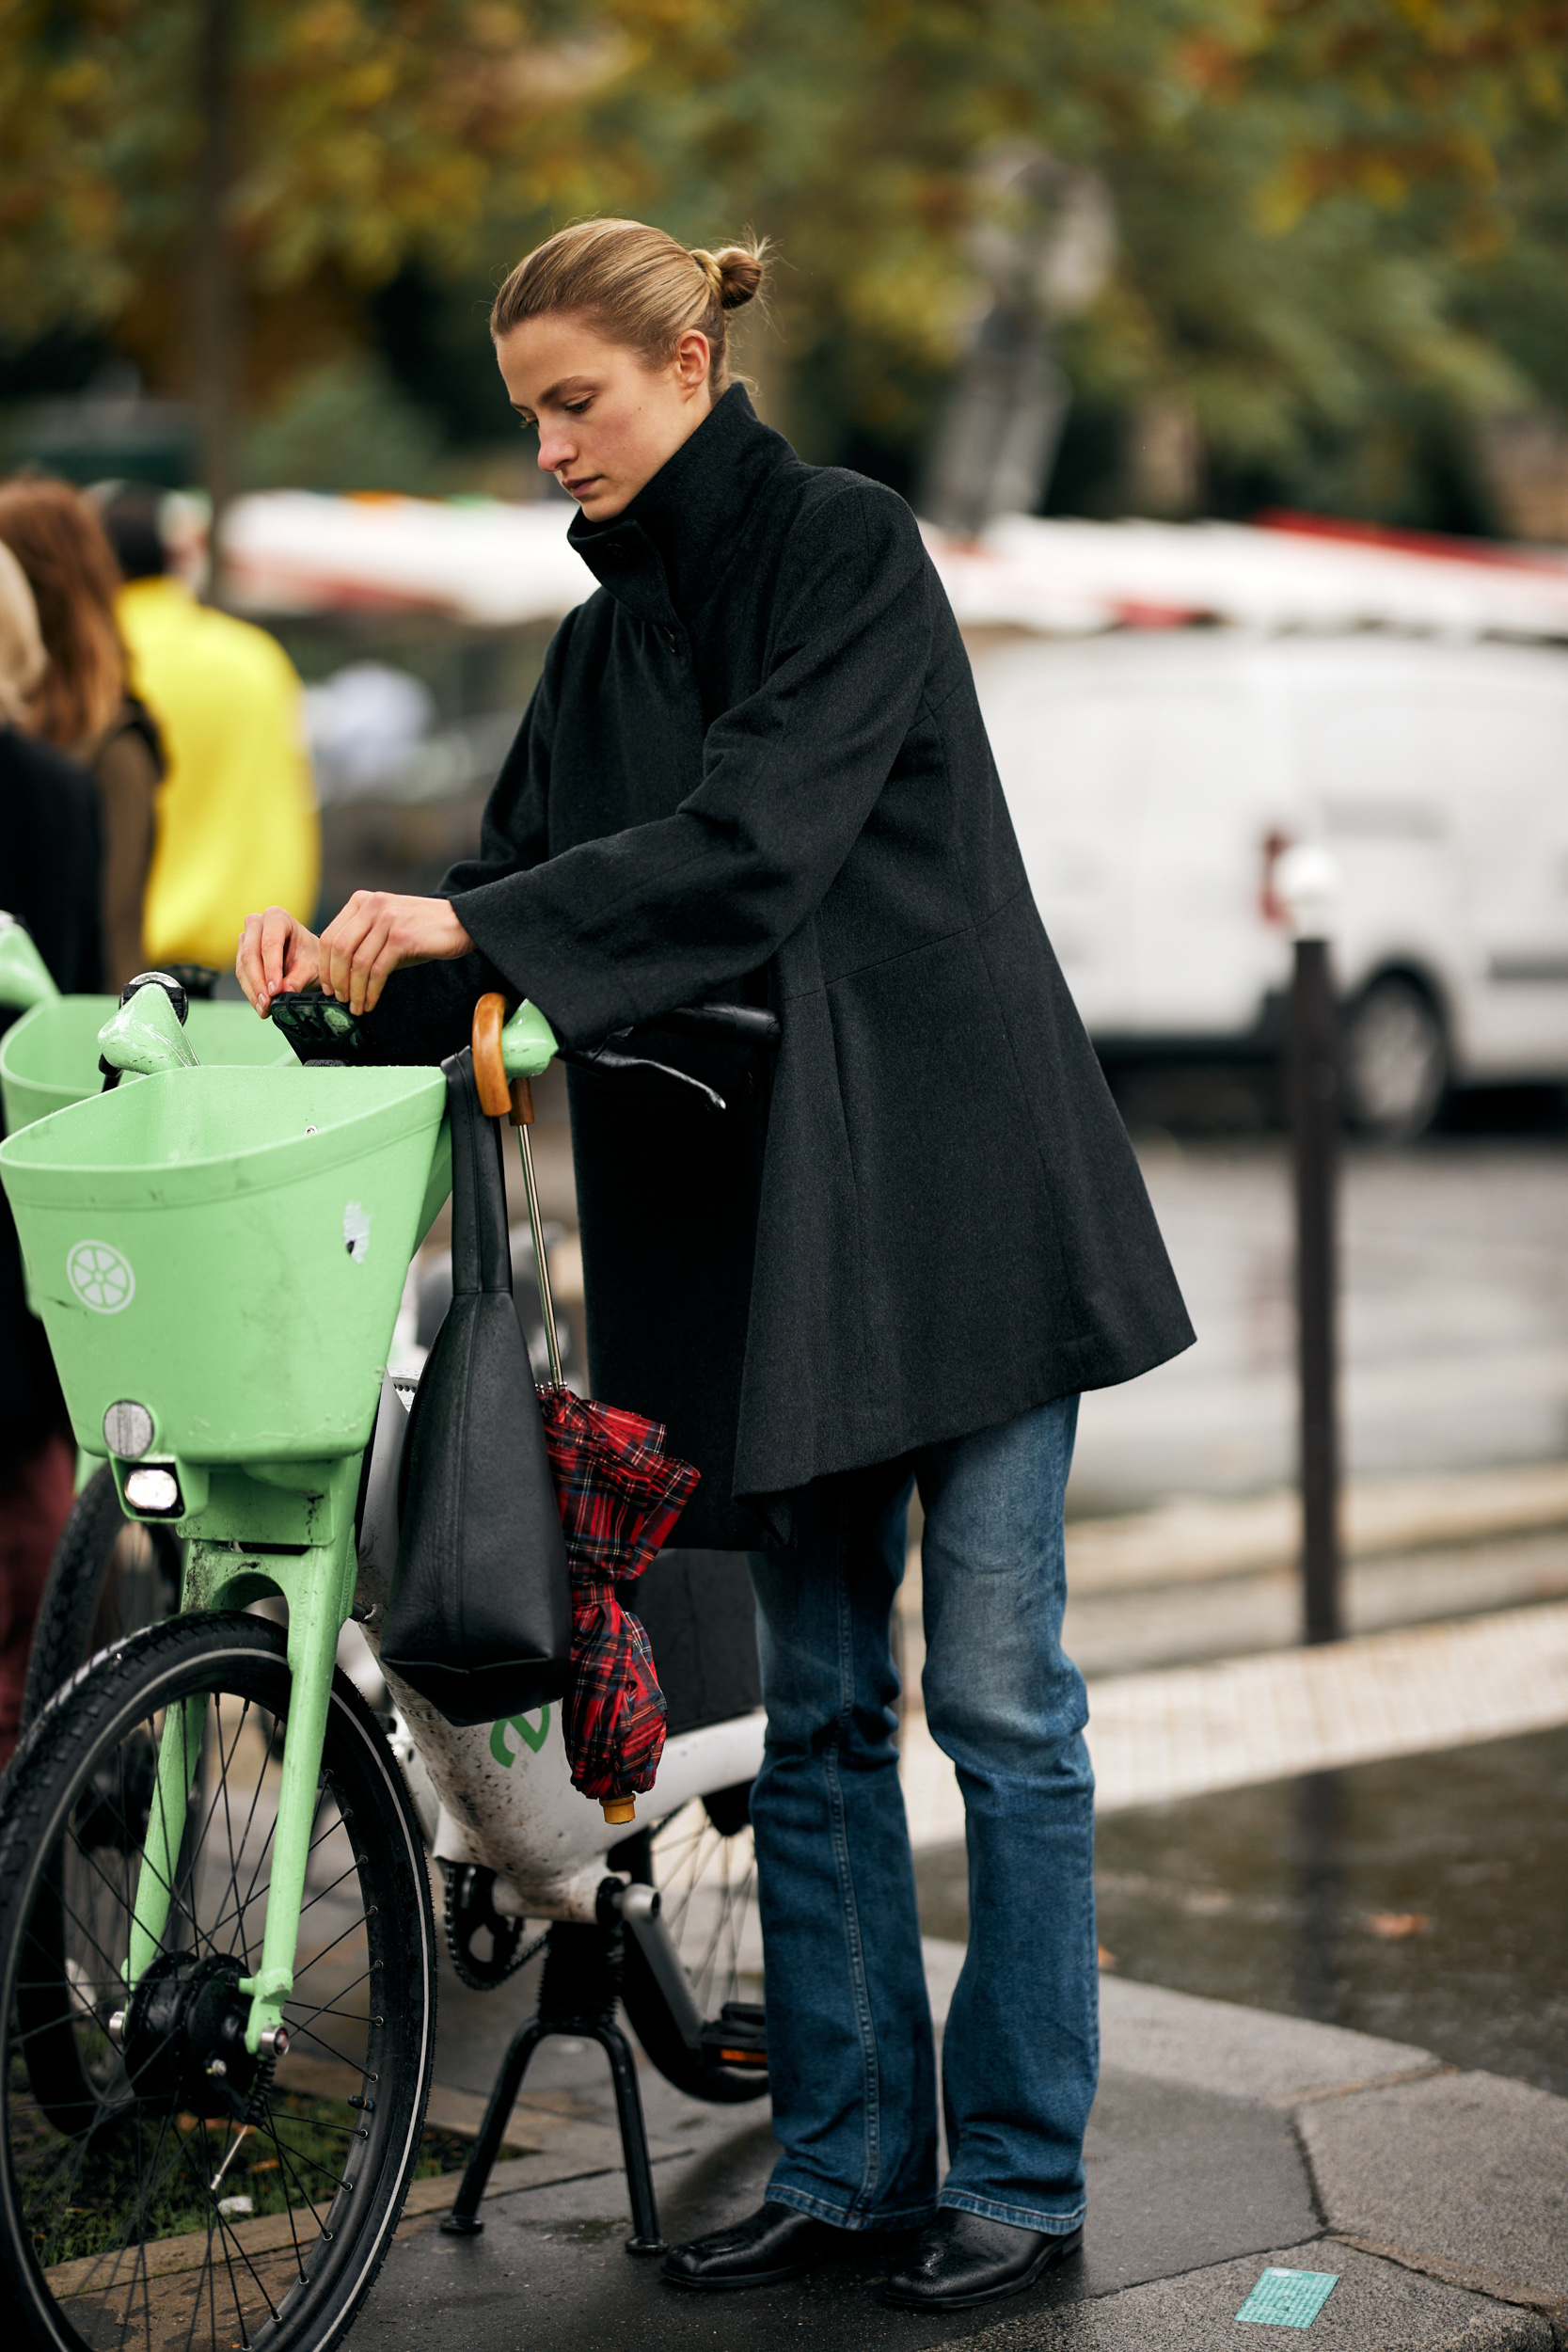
point(1394, 1061)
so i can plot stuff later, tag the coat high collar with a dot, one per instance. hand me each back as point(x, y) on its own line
point(663, 556)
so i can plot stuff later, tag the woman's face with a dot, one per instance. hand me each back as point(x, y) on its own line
point(607, 422)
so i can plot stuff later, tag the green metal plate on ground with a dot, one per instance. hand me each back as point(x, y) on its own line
point(1289, 2298)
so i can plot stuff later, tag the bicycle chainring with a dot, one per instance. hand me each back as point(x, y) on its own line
point(486, 1945)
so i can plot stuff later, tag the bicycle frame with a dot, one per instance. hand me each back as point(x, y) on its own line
point(310, 1505)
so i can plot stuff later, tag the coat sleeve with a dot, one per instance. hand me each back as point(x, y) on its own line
point(620, 930)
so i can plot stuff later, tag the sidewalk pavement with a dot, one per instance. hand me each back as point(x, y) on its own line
point(1184, 1730)
point(1202, 1576)
point(1225, 2141)
point(1184, 1619)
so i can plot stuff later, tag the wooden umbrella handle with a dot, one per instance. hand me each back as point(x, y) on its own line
point(494, 1092)
point(500, 1097)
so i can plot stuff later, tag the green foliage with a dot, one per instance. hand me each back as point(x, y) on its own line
point(1342, 221)
point(343, 425)
point(295, 2156)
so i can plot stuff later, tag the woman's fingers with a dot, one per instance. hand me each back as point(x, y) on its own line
point(247, 962)
point(275, 952)
point(355, 956)
point(340, 940)
point(300, 971)
point(385, 962)
point(377, 932)
point(374, 953)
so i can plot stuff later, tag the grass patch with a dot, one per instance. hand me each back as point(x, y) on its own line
point(150, 2176)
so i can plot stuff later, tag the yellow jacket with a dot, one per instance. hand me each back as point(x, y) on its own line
point(236, 813)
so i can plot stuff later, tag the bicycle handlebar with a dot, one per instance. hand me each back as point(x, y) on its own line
point(507, 1052)
point(25, 977)
point(529, 1043)
point(510, 1051)
point(742, 1024)
point(147, 1034)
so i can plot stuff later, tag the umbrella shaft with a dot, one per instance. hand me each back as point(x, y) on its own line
point(541, 1267)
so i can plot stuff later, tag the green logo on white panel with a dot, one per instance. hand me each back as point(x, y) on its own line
point(100, 1277)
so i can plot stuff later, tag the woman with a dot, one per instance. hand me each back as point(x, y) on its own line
point(754, 766)
point(82, 705)
point(49, 849)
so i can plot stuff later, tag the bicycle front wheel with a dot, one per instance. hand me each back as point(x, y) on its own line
point(190, 2196)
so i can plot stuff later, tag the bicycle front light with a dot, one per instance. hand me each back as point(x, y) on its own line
point(154, 1490)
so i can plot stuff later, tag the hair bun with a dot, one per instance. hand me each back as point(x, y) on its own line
point(735, 275)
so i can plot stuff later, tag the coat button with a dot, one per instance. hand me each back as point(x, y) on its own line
point(672, 639)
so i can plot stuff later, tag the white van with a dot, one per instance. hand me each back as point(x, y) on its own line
point(1154, 776)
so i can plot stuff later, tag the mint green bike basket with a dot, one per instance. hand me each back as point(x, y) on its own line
point(229, 1247)
point(49, 1057)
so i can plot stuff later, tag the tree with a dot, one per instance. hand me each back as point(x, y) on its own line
point(362, 133)
point(1339, 219)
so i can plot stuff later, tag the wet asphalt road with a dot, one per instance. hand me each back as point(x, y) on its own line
point(1424, 1898)
point(1455, 1318)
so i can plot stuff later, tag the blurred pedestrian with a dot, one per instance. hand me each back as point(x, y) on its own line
point(50, 833)
point(755, 767)
point(82, 706)
point(237, 813)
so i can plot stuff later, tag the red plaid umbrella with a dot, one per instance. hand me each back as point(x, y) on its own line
point(620, 1495)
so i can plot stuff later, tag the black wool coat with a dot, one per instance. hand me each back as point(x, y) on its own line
point(754, 768)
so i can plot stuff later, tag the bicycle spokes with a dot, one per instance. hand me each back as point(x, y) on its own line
point(174, 2185)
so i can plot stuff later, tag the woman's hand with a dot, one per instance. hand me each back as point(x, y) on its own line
point(377, 933)
point(276, 955)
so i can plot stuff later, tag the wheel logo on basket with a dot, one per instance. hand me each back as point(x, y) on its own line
point(100, 1277)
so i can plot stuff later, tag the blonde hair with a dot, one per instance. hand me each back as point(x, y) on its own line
point(22, 660)
point(636, 286)
point(56, 537)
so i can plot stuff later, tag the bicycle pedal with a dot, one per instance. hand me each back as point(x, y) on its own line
point(737, 2035)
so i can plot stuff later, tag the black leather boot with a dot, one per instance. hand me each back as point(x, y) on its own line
point(961, 2258)
point(775, 2242)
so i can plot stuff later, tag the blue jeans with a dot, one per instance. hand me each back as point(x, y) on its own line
point(850, 2050)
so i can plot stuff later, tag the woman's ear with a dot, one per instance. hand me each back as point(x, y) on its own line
point(693, 360)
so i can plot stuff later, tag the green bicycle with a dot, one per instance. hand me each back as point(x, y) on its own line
point(217, 1967)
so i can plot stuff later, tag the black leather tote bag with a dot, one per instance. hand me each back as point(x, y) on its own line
point(479, 1620)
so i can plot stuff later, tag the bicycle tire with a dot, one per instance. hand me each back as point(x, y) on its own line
point(79, 2215)
point(713, 1963)
point(89, 1600)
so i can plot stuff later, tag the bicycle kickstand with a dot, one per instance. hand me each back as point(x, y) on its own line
point(579, 1995)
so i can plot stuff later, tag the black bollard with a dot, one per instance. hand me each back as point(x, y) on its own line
point(1314, 1105)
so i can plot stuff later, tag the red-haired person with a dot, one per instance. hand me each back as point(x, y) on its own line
point(82, 704)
